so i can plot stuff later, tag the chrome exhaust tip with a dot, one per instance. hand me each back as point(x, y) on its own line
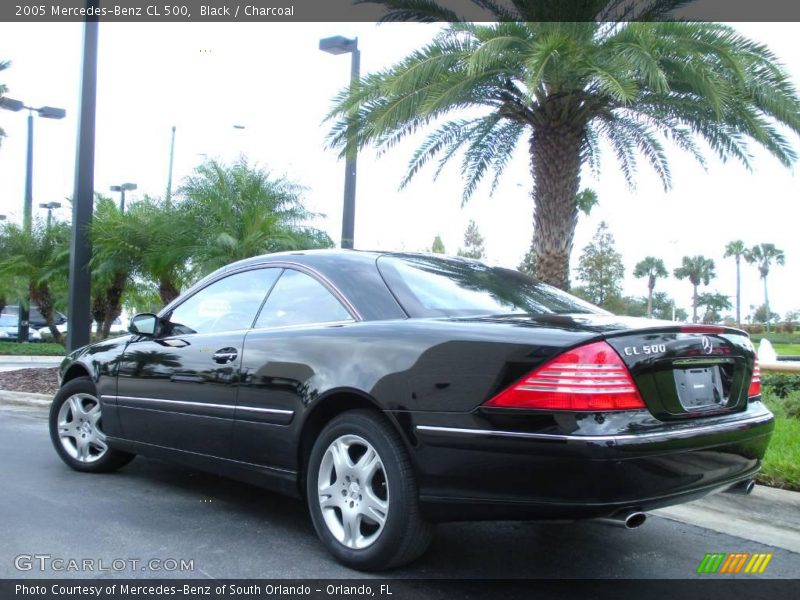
point(743, 487)
point(627, 520)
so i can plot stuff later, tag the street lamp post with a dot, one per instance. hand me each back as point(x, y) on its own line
point(50, 206)
point(171, 161)
point(342, 45)
point(47, 112)
point(122, 188)
point(80, 319)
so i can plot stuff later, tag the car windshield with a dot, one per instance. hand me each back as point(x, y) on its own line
point(428, 286)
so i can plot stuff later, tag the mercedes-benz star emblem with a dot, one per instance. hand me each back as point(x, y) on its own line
point(708, 345)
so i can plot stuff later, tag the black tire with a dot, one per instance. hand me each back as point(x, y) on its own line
point(405, 534)
point(95, 461)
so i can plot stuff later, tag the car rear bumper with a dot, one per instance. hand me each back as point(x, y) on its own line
point(490, 473)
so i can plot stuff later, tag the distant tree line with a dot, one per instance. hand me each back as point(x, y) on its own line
point(601, 273)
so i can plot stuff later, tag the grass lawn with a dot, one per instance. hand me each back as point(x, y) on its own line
point(14, 348)
point(787, 349)
point(781, 465)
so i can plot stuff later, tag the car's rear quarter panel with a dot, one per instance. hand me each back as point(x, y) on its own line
point(401, 366)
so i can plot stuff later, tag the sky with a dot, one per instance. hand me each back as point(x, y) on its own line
point(204, 78)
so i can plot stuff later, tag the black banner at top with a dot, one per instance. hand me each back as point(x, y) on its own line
point(152, 11)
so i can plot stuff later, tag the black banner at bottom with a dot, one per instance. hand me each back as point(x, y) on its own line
point(396, 589)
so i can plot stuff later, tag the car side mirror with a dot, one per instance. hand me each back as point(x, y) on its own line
point(144, 324)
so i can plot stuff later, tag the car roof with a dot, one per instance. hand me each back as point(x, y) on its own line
point(350, 272)
point(353, 273)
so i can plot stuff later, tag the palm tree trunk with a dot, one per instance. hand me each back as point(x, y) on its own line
point(167, 290)
point(40, 294)
point(555, 151)
point(738, 291)
point(651, 285)
point(99, 312)
point(766, 302)
point(694, 305)
point(114, 301)
point(2, 304)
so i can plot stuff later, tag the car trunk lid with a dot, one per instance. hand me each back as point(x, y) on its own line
point(688, 371)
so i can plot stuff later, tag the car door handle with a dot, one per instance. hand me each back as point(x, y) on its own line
point(225, 355)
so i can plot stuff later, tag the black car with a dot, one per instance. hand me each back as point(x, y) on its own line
point(392, 391)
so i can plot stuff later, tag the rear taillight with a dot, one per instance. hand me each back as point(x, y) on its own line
point(755, 382)
point(591, 377)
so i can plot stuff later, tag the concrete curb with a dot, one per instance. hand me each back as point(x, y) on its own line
point(29, 359)
point(767, 516)
point(25, 399)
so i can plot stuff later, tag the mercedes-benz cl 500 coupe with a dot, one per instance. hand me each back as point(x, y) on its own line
point(390, 391)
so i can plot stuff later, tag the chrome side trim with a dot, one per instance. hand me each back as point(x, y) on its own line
point(687, 432)
point(275, 411)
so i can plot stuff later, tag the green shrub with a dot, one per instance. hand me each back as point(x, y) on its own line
point(791, 405)
point(775, 338)
point(780, 384)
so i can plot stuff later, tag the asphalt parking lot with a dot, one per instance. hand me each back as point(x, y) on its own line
point(151, 510)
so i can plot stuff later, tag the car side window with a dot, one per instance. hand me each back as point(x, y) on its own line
point(226, 305)
point(299, 299)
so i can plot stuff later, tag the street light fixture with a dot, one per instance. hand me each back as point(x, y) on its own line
point(341, 45)
point(122, 188)
point(46, 112)
point(50, 206)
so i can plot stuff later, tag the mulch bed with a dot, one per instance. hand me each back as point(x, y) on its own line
point(35, 381)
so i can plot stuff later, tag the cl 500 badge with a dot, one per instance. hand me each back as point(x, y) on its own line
point(652, 349)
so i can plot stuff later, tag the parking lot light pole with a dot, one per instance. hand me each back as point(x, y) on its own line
point(122, 188)
point(50, 206)
point(342, 45)
point(171, 164)
point(47, 112)
point(79, 304)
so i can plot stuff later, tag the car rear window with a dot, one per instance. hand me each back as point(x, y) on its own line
point(438, 286)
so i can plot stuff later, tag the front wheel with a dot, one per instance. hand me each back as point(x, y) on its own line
point(362, 494)
point(76, 429)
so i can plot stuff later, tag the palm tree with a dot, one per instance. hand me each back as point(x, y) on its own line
point(652, 268)
point(240, 211)
point(698, 269)
point(763, 255)
point(114, 260)
point(36, 263)
point(564, 88)
point(160, 236)
point(736, 249)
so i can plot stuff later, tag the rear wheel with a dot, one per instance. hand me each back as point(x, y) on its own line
point(76, 429)
point(362, 494)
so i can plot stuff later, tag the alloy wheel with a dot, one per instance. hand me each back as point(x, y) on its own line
point(353, 491)
point(79, 428)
